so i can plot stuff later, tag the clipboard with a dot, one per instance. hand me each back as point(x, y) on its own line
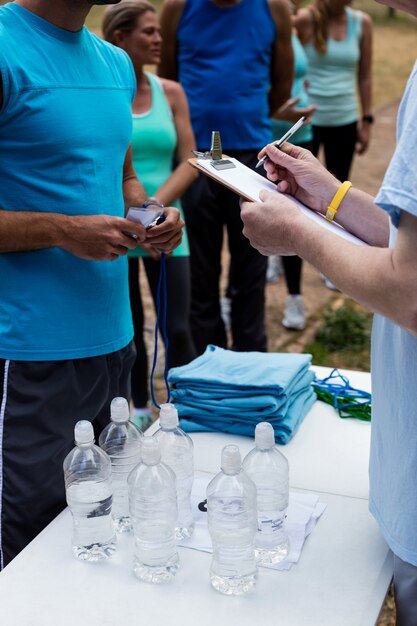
point(247, 183)
point(231, 178)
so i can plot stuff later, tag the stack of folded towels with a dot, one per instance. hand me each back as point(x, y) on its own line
point(231, 392)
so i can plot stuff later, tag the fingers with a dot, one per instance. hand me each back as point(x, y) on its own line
point(287, 105)
point(133, 229)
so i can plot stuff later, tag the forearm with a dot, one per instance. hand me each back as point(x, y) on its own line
point(370, 275)
point(176, 184)
point(365, 94)
point(26, 230)
point(134, 193)
point(359, 215)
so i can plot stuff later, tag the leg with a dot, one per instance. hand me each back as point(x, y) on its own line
point(292, 268)
point(181, 348)
point(294, 316)
point(40, 403)
point(405, 589)
point(339, 148)
point(247, 278)
point(203, 208)
point(140, 368)
point(317, 139)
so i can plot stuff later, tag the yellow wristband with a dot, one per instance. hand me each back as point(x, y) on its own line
point(338, 197)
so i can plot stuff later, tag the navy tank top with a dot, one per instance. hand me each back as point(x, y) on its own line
point(224, 64)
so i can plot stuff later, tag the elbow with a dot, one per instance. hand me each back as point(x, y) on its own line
point(407, 307)
point(412, 325)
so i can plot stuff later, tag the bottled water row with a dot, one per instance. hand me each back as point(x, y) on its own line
point(143, 484)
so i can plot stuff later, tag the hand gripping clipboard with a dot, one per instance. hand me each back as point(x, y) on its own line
point(247, 183)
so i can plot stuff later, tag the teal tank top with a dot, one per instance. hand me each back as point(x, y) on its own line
point(332, 76)
point(154, 141)
point(279, 127)
point(65, 127)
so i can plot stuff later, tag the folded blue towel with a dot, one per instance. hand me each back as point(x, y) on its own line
point(284, 428)
point(228, 391)
point(218, 367)
point(260, 404)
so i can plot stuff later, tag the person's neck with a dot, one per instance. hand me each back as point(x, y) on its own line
point(141, 78)
point(69, 15)
point(335, 12)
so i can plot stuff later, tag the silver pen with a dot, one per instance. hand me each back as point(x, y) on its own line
point(284, 138)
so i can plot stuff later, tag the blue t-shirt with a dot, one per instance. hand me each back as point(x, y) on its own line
point(393, 464)
point(224, 66)
point(64, 131)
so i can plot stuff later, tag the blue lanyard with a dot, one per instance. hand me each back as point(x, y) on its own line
point(161, 301)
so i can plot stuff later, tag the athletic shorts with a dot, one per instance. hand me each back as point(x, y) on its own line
point(40, 402)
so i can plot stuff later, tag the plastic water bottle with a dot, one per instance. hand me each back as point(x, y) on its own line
point(87, 471)
point(153, 509)
point(231, 508)
point(177, 452)
point(122, 441)
point(268, 468)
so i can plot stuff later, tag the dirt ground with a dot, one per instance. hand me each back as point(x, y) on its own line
point(367, 174)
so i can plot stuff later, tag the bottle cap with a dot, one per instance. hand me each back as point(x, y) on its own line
point(264, 435)
point(231, 461)
point(151, 454)
point(168, 416)
point(83, 432)
point(119, 410)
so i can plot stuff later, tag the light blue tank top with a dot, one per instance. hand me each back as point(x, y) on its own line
point(64, 131)
point(279, 128)
point(154, 141)
point(332, 76)
point(224, 64)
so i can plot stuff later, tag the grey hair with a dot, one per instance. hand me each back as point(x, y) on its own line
point(123, 16)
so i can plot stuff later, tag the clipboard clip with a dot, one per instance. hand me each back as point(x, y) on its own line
point(215, 154)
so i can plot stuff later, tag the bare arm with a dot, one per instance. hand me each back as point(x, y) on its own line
point(92, 237)
point(167, 236)
point(183, 175)
point(282, 67)
point(365, 82)
point(134, 193)
point(301, 175)
point(379, 278)
point(169, 19)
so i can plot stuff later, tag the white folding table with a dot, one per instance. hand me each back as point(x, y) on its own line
point(341, 579)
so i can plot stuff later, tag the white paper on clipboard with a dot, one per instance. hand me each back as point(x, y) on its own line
point(249, 183)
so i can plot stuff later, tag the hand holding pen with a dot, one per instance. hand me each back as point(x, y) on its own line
point(284, 138)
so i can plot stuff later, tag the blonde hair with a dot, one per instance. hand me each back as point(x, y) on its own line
point(321, 25)
point(123, 16)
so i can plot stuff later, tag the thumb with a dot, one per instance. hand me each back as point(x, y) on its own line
point(265, 195)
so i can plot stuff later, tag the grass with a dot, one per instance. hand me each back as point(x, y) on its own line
point(344, 338)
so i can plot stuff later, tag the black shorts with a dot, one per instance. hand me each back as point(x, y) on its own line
point(40, 402)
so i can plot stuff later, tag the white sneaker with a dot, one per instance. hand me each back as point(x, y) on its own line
point(294, 316)
point(226, 312)
point(274, 269)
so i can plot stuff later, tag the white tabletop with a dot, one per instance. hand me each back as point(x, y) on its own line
point(340, 580)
